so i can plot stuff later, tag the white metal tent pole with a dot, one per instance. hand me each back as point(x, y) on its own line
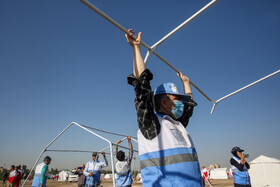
point(73, 123)
point(134, 140)
point(182, 25)
point(239, 90)
point(44, 151)
point(109, 146)
point(113, 164)
point(98, 11)
point(108, 18)
point(91, 6)
point(147, 56)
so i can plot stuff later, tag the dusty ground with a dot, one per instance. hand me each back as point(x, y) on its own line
point(108, 183)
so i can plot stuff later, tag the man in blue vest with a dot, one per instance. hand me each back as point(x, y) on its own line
point(93, 168)
point(41, 173)
point(240, 168)
point(167, 154)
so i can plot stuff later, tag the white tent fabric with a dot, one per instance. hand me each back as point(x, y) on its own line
point(102, 176)
point(108, 176)
point(264, 171)
point(139, 178)
point(63, 176)
point(219, 173)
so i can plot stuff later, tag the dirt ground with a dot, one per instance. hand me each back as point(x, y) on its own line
point(108, 183)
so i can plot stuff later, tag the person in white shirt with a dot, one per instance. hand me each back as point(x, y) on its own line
point(93, 170)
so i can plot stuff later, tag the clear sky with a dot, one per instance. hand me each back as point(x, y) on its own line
point(61, 62)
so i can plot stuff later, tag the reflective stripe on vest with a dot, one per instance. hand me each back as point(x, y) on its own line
point(124, 173)
point(174, 159)
point(170, 158)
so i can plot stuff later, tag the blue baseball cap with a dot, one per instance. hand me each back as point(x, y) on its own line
point(170, 88)
point(235, 149)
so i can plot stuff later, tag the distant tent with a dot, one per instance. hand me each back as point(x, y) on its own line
point(102, 176)
point(139, 178)
point(219, 173)
point(230, 173)
point(108, 176)
point(63, 176)
point(264, 171)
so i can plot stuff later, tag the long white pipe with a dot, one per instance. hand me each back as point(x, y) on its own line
point(179, 27)
point(44, 151)
point(113, 164)
point(243, 88)
point(184, 23)
point(91, 6)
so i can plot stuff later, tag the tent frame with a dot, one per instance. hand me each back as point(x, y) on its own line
point(152, 49)
point(91, 132)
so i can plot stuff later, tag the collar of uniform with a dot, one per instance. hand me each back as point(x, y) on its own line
point(161, 115)
point(167, 117)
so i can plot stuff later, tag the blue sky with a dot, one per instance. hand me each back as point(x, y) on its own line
point(61, 62)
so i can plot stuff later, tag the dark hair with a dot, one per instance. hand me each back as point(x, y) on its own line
point(120, 155)
point(18, 167)
point(12, 166)
point(157, 101)
point(47, 158)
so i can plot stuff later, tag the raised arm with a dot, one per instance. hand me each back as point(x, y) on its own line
point(129, 142)
point(116, 147)
point(140, 80)
point(186, 82)
point(130, 151)
point(138, 62)
point(105, 163)
point(189, 106)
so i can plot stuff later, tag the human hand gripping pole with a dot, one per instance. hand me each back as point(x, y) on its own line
point(186, 82)
point(151, 50)
point(138, 63)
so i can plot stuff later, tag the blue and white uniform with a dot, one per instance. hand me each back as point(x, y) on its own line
point(167, 155)
point(94, 167)
point(41, 175)
point(240, 177)
point(124, 176)
point(169, 159)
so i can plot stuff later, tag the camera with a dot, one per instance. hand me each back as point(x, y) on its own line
point(246, 155)
point(79, 167)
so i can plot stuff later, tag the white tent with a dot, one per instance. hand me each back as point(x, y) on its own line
point(63, 176)
point(139, 178)
point(108, 176)
point(102, 176)
point(219, 173)
point(264, 171)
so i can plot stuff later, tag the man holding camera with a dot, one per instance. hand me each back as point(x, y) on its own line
point(240, 168)
point(81, 177)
